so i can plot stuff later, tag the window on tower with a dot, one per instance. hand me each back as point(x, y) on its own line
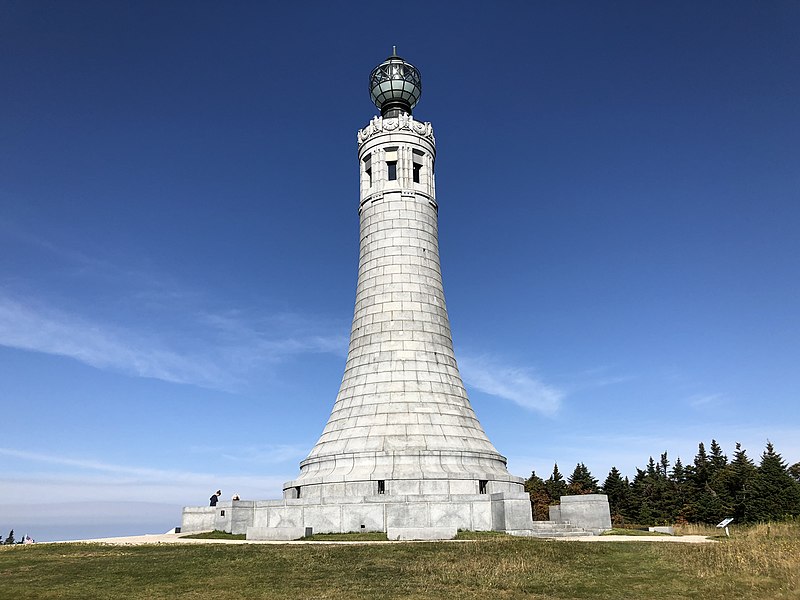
point(416, 173)
point(368, 168)
point(391, 164)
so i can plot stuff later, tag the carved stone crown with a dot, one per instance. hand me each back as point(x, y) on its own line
point(403, 122)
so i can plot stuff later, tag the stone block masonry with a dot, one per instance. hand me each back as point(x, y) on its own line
point(590, 512)
point(402, 423)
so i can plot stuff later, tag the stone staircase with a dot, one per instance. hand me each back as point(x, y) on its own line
point(550, 529)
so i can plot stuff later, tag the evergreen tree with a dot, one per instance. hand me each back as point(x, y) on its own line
point(656, 491)
point(678, 478)
point(794, 471)
point(668, 504)
point(540, 500)
point(663, 465)
point(716, 460)
point(776, 494)
point(652, 470)
point(705, 504)
point(581, 481)
point(555, 486)
point(718, 476)
point(10, 538)
point(645, 514)
point(699, 470)
point(640, 492)
point(741, 473)
point(616, 488)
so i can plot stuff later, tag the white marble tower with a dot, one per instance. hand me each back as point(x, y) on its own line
point(402, 423)
point(403, 451)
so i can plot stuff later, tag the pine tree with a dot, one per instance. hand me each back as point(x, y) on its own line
point(718, 476)
point(639, 504)
point(645, 514)
point(652, 470)
point(555, 486)
point(716, 460)
point(664, 465)
point(699, 470)
point(667, 503)
point(656, 491)
point(776, 494)
point(705, 504)
point(581, 481)
point(540, 500)
point(678, 478)
point(741, 473)
point(617, 491)
point(10, 538)
point(794, 471)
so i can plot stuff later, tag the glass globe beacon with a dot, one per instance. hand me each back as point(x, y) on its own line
point(395, 86)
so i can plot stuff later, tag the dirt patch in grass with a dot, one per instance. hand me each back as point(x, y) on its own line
point(632, 532)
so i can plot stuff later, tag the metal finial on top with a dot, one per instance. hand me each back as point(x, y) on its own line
point(394, 50)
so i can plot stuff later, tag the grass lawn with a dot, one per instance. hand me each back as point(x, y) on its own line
point(757, 564)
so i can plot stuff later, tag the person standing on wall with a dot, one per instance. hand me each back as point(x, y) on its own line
point(215, 498)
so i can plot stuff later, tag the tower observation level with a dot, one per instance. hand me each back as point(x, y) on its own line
point(402, 424)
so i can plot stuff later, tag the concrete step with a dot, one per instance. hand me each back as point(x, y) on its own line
point(550, 529)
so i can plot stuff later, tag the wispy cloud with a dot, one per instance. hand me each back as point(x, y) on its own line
point(83, 479)
point(518, 385)
point(153, 326)
point(91, 465)
point(222, 349)
point(259, 454)
point(706, 400)
point(37, 329)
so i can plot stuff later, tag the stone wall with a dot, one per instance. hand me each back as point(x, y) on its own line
point(272, 519)
point(590, 512)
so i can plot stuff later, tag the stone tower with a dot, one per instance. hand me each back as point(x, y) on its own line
point(402, 424)
point(403, 451)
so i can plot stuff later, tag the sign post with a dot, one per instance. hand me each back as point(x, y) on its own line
point(724, 524)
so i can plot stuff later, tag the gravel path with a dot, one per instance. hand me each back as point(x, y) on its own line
point(675, 539)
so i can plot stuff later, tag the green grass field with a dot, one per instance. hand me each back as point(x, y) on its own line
point(756, 564)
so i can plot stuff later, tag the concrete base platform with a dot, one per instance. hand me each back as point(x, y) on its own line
point(411, 517)
point(500, 511)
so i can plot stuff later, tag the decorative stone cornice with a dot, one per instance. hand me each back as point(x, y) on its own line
point(402, 123)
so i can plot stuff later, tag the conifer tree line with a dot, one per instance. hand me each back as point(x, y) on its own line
point(708, 490)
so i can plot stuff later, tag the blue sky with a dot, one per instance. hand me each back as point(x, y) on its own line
point(618, 186)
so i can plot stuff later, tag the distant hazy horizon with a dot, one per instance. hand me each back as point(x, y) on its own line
point(56, 522)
